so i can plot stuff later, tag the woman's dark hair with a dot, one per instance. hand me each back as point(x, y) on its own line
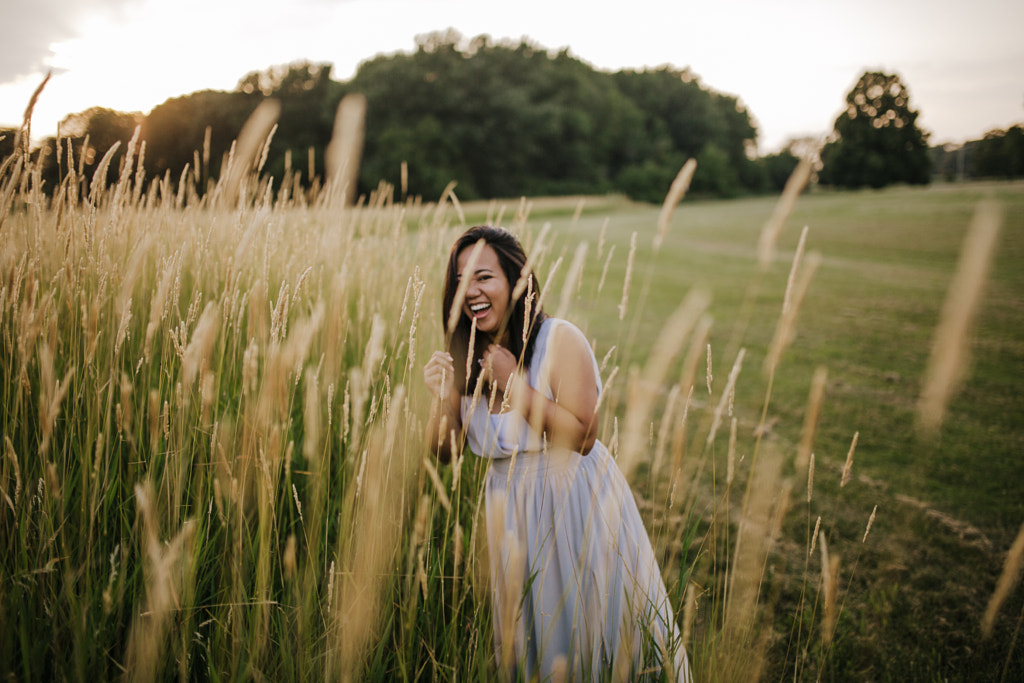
point(512, 259)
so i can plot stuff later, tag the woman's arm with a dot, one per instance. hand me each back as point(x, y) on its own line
point(570, 420)
point(445, 409)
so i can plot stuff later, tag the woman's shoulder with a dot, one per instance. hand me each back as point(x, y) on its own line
point(561, 328)
point(568, 353)
point(563, 339)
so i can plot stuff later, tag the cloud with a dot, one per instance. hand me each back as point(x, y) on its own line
point(31, 28)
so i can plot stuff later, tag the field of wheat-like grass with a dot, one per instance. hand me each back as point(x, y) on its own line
point(212, 410)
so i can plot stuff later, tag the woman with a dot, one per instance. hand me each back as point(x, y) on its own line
point(575, 585)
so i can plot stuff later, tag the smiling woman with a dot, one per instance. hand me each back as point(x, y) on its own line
point(575, 586)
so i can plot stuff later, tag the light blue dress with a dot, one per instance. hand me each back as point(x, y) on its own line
point(575, 584)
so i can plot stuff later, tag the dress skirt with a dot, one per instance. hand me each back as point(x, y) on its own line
point(577, 592)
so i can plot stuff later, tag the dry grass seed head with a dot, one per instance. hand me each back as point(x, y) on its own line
point(773, 226)
point(572, 280)
point(12, 458)
point(730, 471)
point(784, 330)
point(604, 270)
point(680, 184)
point(646, 387)
point(344, 152)
point(253, 134)
point(830, 583)
point(814, 536)
point(871, 520)
point(1008, 579)
point(950, 350)
point(810, 478)
point(311, 419)
point(724, 398)
point(794, 268)
point(848, 465)
point(665, 428)
point(753, 542)
point(629, 277)
point(689, 613)
point(814, 400)
point(197, 353)
point(288, 558)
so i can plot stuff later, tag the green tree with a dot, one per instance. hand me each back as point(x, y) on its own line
point(501, 119)
point(309, 101)
point(1000, 154)
point(876, 141)
point(7, 137)
point(176, 132)
point(649, 180)
point(715, 174)
point(777, 169)
point(89, 135)
point(683, 119)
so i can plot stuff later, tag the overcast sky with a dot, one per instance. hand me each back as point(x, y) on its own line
point(791, 62)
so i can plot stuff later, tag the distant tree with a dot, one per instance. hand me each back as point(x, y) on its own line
point(85, 138)
point(502, 119)
point(682, 119)
point(176, 131)
point(650, 180)
point(876, 141)
point(198, 129)
point(7, 137)
point(309, 101)
point(7, 148)
point(951, 162)
point(777, 169)
point(415, 107)
point(715, 175)
point(1000, 154)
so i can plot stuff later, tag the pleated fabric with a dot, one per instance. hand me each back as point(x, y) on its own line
point(576, 589)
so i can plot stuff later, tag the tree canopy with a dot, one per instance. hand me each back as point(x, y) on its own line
point(502, 119)
point(176, 131)
point(876, 141)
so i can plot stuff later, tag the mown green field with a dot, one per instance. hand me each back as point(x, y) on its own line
point(213, 462)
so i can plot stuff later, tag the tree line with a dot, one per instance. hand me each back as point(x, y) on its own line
point(509, 119)
point(502, 119)
point(1000, 154)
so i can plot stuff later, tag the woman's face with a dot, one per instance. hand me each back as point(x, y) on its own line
point(488, 293)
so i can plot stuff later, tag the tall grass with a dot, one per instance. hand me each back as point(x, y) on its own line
point(213, 459)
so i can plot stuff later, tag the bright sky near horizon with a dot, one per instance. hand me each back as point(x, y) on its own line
point(791, 62)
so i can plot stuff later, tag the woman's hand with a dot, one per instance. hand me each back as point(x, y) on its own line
point(444, 427)
point(501, 365)
point(439, 374)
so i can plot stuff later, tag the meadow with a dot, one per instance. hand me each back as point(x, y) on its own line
point(212, 415)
